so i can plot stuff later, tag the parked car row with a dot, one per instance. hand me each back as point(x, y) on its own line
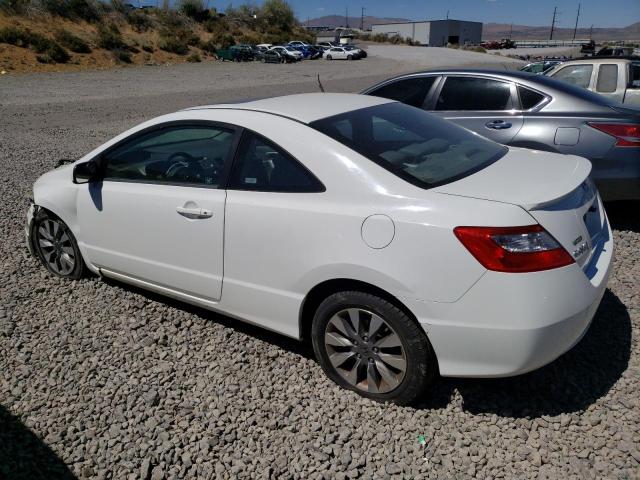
point(293, 51)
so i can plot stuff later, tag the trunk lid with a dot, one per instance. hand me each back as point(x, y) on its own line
point(555, 189)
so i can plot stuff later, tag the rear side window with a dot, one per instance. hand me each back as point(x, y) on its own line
point(529, 98)
point(411, 91)
point(634, 75)
point(480, 94)
point(579, 75)
point(411, 143)
point(607, 78)
point(260, 165)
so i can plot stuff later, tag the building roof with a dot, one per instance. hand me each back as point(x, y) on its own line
point(425, 21)
point(305, 107)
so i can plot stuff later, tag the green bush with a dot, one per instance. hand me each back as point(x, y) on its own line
point(139, 21)
point(89, 10)
point(173, 45)
point(109, 38)
point(210, 47)
point(123, 56)
point(14, 6)
point(194, 58)
point(194, 9)
point(51, 51)
point(72, 42)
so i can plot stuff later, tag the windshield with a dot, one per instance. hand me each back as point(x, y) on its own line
point(415, 145)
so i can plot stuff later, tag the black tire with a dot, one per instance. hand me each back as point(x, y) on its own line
point(329, 57)
point(65, 240)
point(349, 57)
point(421, 363)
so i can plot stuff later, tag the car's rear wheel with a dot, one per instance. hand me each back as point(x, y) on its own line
point(366, 344)
point(329, 57)
point(56, 247)
point(349, 57)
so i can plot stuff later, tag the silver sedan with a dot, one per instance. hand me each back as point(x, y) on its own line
point(533, 111)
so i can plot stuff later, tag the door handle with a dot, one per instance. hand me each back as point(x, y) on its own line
point(498, 125)
point(194, 212)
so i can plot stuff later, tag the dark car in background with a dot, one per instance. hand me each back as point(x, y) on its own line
point(270, 56)
point(533, 111)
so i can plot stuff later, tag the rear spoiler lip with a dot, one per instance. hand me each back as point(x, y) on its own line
point(581, 175)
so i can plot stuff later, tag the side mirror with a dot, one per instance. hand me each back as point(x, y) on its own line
point(86, 172)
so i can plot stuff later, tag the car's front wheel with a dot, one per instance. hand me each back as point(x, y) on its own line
point(366, 344)
point(329, 57)
point(56, 247)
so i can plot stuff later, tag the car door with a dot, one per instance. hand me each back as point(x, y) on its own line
point(158, 214)
point(271, 200)
point(482, 104)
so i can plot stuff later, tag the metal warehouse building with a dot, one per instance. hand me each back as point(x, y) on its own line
point(434, 33)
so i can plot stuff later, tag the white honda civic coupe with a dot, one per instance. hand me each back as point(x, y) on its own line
point(400, 245)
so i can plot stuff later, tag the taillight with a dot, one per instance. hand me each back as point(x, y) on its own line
point(626, 134)
point(514, 249)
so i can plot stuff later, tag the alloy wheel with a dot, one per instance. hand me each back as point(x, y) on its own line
point(55, 245)
point(365, 350)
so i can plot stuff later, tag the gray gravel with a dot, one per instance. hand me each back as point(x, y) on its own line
point(100, 380)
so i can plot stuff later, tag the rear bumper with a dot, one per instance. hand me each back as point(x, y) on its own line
point(509, 324)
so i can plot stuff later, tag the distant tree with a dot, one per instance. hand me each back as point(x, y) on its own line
point(276, 15)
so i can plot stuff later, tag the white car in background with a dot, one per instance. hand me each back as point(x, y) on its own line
point(400, 245)
point(339, 53)
point(289, 52)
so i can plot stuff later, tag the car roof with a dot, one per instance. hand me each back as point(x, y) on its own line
point(305, 107)
point(605, 59)
point(541, 82)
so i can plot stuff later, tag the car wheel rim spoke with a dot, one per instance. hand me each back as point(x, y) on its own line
point(365, 350)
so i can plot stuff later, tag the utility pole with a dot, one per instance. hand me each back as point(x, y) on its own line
point(511, 32)
point(575, 29)
point(591, 33)
point(346, 17)
point(362, 19)
point(447, 14)
point(553, 22)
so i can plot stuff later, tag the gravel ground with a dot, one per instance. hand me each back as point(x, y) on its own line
point(100, 380)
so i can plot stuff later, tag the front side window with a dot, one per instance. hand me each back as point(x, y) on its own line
point(607, 78)
point(469, 94)
point(260, 165)
point(190, 155)
point(579, 75)
point(411, 91)
point(411, 143)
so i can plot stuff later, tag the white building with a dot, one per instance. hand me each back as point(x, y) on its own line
point(433, 33)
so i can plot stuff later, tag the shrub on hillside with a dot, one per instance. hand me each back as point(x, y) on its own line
point(122, 56)
point(194, 9)
point(209, 47)
point(139, 21)
point(51, 51)
point(277, 15)
point(72, 42)
point(14, 6)
point(90, 10)
point(109, 38)
point(177, 39)
point(194, 58)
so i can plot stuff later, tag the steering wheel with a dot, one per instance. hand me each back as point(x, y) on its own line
point(174, 167)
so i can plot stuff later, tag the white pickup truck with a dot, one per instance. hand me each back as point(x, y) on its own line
point(617, 78)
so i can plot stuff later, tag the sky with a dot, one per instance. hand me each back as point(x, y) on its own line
point(600, 13)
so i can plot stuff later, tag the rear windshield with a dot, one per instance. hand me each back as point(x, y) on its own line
point(415, 145)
